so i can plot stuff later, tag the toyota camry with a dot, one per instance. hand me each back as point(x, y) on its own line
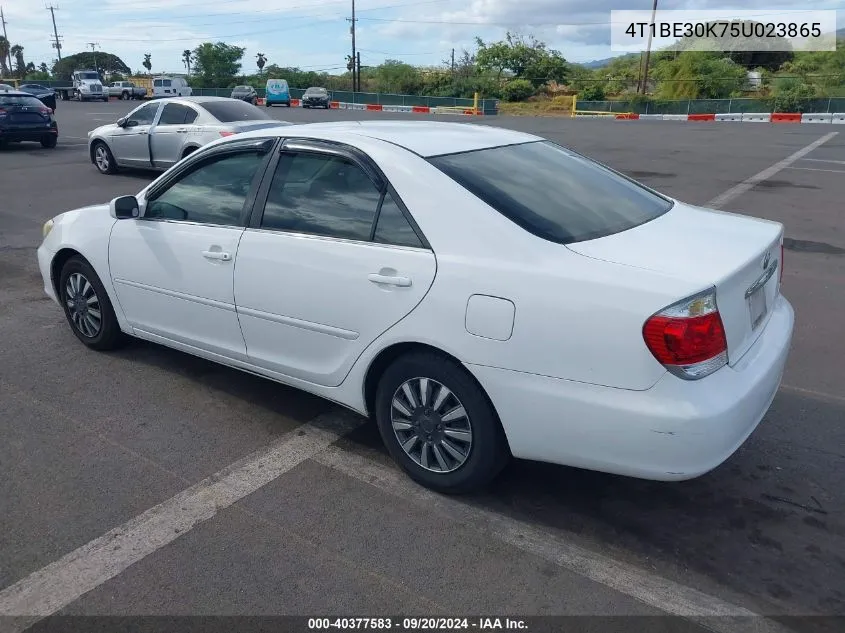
point(481, 293)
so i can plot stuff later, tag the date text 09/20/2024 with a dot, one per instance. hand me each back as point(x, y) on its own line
point(416, 624)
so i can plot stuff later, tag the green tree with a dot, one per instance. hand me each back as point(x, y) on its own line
point(260, 60)
point(398, 77)
point(699, 75)
point(42, 67)
point(147, 63)
point(106, 62)
point(753, 52)
point(20, 64)
point(187, 59)
point(4, 56)
point(217, 64)
point(525, 57)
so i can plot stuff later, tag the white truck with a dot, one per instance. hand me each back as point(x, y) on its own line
point(171, 87)
point(86, 85)
point(126, 90)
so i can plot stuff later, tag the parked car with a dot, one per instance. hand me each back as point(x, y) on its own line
point(483, 293)
point(245, 93)
point(159, 133)
point(277, 93)
point(126, 90)
point(44, 94)
point(25, 118)
point(316, 98)
point(6, 87)
point(171, 87)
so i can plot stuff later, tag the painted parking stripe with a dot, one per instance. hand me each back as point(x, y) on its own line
point(734, 192)
point(666, 595)
point(53, 587)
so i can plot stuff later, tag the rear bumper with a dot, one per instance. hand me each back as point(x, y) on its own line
point(676, 430)
point(27, 133)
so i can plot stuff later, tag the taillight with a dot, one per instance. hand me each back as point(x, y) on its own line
point(688, 337)
point(45, 110)
point(227, 133)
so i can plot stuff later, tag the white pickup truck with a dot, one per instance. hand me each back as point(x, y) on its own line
point(126, 90)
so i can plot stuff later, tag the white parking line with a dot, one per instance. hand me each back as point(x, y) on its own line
point(734, 192)
point(825, 160)
point(661, 593)
point(53, 587)
point(832, 171)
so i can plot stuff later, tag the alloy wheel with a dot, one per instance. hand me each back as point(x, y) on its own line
point(83, 305)
point(431, 425)
point(101, 156)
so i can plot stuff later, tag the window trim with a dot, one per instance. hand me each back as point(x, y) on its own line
point(359, 158)
point(200, 159)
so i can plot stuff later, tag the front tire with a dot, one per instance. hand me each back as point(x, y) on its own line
point(124, 96)
point(438, 424)
point(103, 158)
point(87, 307)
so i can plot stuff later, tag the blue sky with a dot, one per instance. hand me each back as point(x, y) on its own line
point(315, 34)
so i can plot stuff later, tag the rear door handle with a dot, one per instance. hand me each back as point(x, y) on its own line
point(218, 255)
point(182, 130)
point(389, 280)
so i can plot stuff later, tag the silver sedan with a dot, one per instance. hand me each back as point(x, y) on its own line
point(158, 134)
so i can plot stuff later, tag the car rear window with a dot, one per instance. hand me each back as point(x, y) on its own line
point(20, 100)
point(227, 111)
point(552, 192)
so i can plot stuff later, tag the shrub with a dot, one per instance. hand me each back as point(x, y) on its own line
point(594, 92)
point(517, 90)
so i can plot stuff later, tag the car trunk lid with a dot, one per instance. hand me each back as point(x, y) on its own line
point(739, 255)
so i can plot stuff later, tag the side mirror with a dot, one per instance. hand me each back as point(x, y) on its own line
point(124, 208)
point(121, 121)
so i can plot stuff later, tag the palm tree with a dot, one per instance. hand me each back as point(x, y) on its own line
point(20, 64)
point(4, 55)
point(187, 58)
point(261, 59)
point(147, 63)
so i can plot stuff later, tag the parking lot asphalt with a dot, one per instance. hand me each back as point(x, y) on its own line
point(90, 441)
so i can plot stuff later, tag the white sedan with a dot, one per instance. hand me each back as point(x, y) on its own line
point(482, 293)
point(159, 133)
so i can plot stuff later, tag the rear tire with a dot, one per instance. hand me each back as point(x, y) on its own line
point(460, 445)
point(103, 158)
point(87, 307)
point(124, 96)
point(49, 141)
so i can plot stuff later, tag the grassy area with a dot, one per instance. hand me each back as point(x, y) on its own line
point(559, 106)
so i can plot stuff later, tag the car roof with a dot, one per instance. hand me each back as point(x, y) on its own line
point(425, 138)
point(17, 93)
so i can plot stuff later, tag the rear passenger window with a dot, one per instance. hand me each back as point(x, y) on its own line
point(393, 227)
point(191, 116)
point(173, 114)
point(321, 194)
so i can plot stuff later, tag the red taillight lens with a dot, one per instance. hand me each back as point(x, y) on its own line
point(45, 111)
point(227, 133)
point(688, 338)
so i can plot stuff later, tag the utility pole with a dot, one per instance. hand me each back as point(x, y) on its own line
point(358, 66)
point(453, 61)
point(355, 79)
point(57, 45)
point(3, 20)
point(648, 48)
point(93, 46)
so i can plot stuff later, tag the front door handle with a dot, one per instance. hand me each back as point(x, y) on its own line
point(389, 280)
point(182, 130)
point(218, 255)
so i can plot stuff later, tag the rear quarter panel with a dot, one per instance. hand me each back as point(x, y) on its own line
point(576, 318)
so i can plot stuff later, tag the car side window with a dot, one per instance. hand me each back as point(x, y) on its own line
point(143, 115)
point(321, 194)
point(213, 193)
point(173, 114)
point(190, 116)
point(393, 227)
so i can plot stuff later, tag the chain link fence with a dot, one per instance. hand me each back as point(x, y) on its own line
point(709, 106)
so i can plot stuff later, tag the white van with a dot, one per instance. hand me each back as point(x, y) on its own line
point(170, 87)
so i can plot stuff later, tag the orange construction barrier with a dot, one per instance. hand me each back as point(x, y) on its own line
point(701, 117)
point(421, 109)
point(632, 116)
point(334, 105)
point(786, 117)
point(374, 107)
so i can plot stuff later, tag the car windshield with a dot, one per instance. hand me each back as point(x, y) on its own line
point(89, 76)
point(35, 87)
point(241, 88)
point(552, 192)
point(228, 111)
point(317, 91)
point(20, 100)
